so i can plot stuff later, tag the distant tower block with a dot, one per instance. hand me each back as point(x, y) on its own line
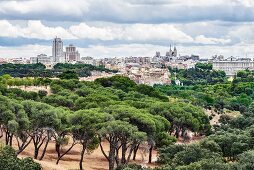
point(71, 54)
point(57, 50)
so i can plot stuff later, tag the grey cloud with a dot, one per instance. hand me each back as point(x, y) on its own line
point(130, 11)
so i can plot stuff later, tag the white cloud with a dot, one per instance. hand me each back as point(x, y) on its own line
point(135, 11)
point(155, 32)
point(131, 32)
point(34, 29)
point(24, 51)
point(201, 39)
point(8, 30)
point(54, 7)
point(85, 31)
point(243, 33)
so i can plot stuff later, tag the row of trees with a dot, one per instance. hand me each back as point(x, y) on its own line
point(39, 70)
point(234, 96)
point(35, 122)
point(113, 110)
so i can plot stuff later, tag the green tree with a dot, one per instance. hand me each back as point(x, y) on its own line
point(44, 120)
point(115, 132)
point(84, 128)
point(68, 75)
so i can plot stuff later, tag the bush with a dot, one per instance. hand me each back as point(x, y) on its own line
point(9, 161)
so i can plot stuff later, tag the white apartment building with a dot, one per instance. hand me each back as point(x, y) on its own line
point(232, 65)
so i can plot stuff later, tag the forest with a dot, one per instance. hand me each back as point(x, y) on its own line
point(126, 115)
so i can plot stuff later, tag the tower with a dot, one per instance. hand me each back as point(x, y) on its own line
point(71, 54)
point(57, 50)
point(174, 52)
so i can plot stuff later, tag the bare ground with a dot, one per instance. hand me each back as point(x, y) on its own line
point(92, 161)
point(34, 88)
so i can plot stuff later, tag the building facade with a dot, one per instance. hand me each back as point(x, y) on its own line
point(71, 54)
point(232, 65)
point(42, 58)
point(57, 50)
point(88, 60)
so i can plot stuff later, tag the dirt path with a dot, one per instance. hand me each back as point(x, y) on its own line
point(34, 88)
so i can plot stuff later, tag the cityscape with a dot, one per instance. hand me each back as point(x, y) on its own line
point(127, 85)
point(148, 70)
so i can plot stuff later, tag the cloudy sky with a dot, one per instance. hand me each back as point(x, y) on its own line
point(109, 28)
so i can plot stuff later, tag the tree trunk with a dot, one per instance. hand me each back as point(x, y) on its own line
point(124, 149)
point(177, 133)
point(117, 156)
point(45, 147)
point(82, 156)
point(103, 152)
point(1, 131)
point(150, 154)
point(57, 148)
point(36, 152)
point(182, 133)
point(23, 146)
point(135, 152)
point(111, 157)
point(10, 139)
point(38, 141)
point(60, 156)
point(6, 138)
point(129, 156)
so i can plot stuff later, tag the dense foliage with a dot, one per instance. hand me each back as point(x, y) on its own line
point(9, 161)
point(230, 144)
point(202, 74)
point(39, 70)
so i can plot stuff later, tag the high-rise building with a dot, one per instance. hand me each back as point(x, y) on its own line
point(57, 50)
point(71, 54)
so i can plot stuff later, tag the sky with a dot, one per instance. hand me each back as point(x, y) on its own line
point(121, 28)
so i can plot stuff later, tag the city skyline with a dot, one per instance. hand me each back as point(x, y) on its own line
point(121, 28)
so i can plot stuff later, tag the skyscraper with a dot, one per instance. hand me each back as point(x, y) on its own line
point(57, 50)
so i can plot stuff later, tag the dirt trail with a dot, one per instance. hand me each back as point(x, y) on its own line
point(34, 88)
